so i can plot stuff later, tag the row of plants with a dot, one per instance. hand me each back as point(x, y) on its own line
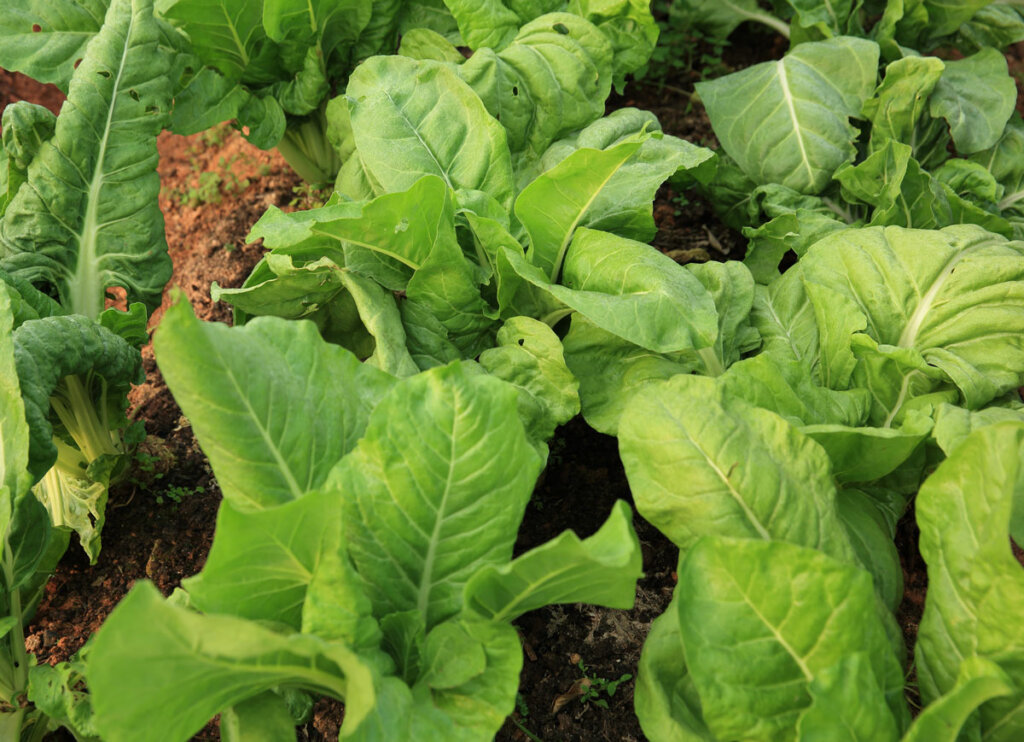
point(379, 414)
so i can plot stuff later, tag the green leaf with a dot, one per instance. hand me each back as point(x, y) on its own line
point(553, 206)
point(427, 504)
point(665, 701)
point(897, 109)
point(413, 118)
point(864, 454)
point(978, 681)
point(181, 668)
point(551, 79)
point(337, 607)
point(89, 219)
point(953, 424)
point(49, 54)
point(976, 96)
point(529, 356)
point(227, 35)
point(847, 705)
point(59, 692)
point(14, 431)
point(479, 706)
point(273, 406)
point(601, 570)
point(48, 351)
point(613, 281)
point(451, 656)
point(763, 620)
point(261, 563)
point(700, 463)
point(610, 370)
point(965, 510)
point(787, 121)
point(262, 718)
point(872, 538)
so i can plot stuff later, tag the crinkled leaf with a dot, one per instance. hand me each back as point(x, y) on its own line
point(953, 424)
point(48, 350)
point(946, 298)
point(551, 79)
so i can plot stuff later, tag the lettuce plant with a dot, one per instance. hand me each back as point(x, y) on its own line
point(363, 549)
point(79, 219)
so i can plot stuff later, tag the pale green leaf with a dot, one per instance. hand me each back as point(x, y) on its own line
point(427, 503)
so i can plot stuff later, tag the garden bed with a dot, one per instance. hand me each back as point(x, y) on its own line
point(576, 682)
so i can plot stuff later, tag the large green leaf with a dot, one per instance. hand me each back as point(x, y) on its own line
point(701, 463)
point(762, 621)
point(45, 38)
point(665, 701)
point(273, 406)
point(847, 705)
point(602, 570)
point(788, 121)
point(976, 96)
point(413, 118)
point(89, 218)
point(180, 668)
point(427, 503)
point(604, 177)
point(261, 563)
point(965, 510)
point(227, 35)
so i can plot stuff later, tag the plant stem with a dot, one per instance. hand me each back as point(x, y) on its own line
point(306, 148)
point(552, 318)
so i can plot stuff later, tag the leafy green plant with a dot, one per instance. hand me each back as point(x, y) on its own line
point(594, 687)
point(365, 553)
point(81, 220)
